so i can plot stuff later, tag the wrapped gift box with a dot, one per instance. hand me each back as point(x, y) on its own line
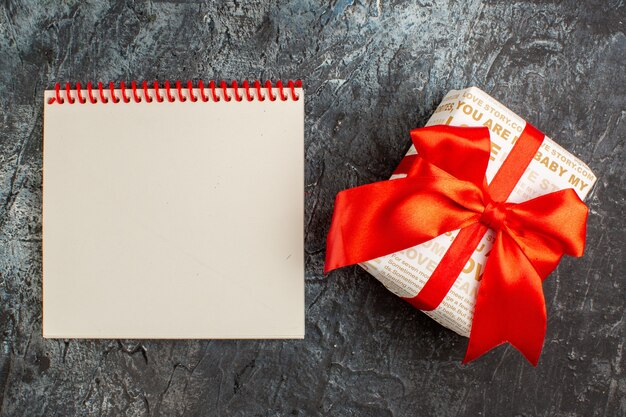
point(553, 168)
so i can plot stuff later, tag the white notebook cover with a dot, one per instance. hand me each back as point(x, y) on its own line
point(173, 219)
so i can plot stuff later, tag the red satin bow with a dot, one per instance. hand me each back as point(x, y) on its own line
point(445, 190)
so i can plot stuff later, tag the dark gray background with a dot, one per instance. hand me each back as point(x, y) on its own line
point(372, 71)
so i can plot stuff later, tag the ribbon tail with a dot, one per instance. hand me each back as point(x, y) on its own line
point(510, 305)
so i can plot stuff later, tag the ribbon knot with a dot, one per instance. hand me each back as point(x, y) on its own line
point(444, 190)
point(494, 215)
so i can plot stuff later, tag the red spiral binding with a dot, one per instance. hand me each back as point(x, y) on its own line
point(168, 92)
point(144, 84)
point(190, 88)
point(225, 90)
point(179, 88)
point(81, 100)
point(68, 95)
point(112, 90)
point(90, 91)
point(246, 86)
point(133, 86)
point(281, 90)
point(268, 87)
point(292, 86)
point(181, 93)
point(213, 92)
point(202, 94)
point(257, 85)
point(157, 92)
point(235, 90)
point(101, 90)
point(125, 99)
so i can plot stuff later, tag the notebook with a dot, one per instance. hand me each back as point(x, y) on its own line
point(173, 210)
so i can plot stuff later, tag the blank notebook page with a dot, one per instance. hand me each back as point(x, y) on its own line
point(173, 219)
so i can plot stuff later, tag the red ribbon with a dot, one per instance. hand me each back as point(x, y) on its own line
point(446, 190)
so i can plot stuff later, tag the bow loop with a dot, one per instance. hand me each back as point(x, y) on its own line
point(462, 152)
point(549, 226)
point(384, 217)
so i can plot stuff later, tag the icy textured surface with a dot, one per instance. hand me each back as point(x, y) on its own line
point(372, 71)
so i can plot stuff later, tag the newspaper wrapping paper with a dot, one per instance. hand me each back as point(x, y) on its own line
point(405, 272)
